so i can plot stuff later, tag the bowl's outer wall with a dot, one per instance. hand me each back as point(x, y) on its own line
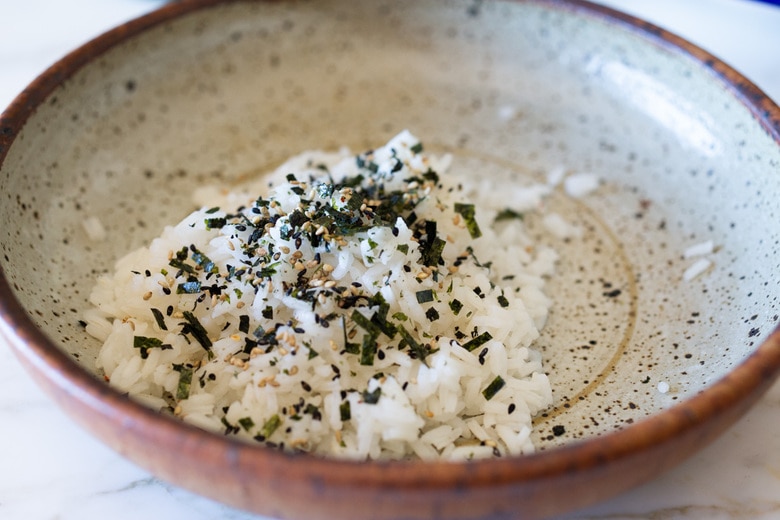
point(99, 86)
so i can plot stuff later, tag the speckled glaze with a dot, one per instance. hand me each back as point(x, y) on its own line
point(206, 91)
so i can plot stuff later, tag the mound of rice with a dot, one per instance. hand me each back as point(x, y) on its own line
point(370, 306)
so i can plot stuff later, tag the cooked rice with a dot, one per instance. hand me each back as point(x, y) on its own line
point(315, 318)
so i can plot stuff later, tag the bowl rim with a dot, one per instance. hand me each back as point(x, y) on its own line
point(747, 381)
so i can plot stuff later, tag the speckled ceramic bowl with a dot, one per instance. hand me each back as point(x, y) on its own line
point(687, 150)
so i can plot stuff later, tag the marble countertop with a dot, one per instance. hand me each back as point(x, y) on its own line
point(53, 470)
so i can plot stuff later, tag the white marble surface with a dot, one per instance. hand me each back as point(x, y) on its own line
point(51, 469)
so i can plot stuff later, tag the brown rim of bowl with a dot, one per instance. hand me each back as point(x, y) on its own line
point(728, 397)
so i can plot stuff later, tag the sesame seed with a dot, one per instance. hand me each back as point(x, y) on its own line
point(295, 443)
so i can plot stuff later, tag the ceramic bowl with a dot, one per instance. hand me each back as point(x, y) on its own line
point(648, 363)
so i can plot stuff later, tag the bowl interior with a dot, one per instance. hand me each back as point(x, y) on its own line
point(512, 90)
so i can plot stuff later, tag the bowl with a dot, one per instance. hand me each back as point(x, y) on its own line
point(664, 328)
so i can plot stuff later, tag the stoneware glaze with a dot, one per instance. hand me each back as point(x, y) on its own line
point(207, 91)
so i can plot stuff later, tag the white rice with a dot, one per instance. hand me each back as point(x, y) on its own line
point(94, 229)
point(579, 185)
point(560, 227)
point(696, 269)
point(556, 175)
point(700, 249)
point(242, 318)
